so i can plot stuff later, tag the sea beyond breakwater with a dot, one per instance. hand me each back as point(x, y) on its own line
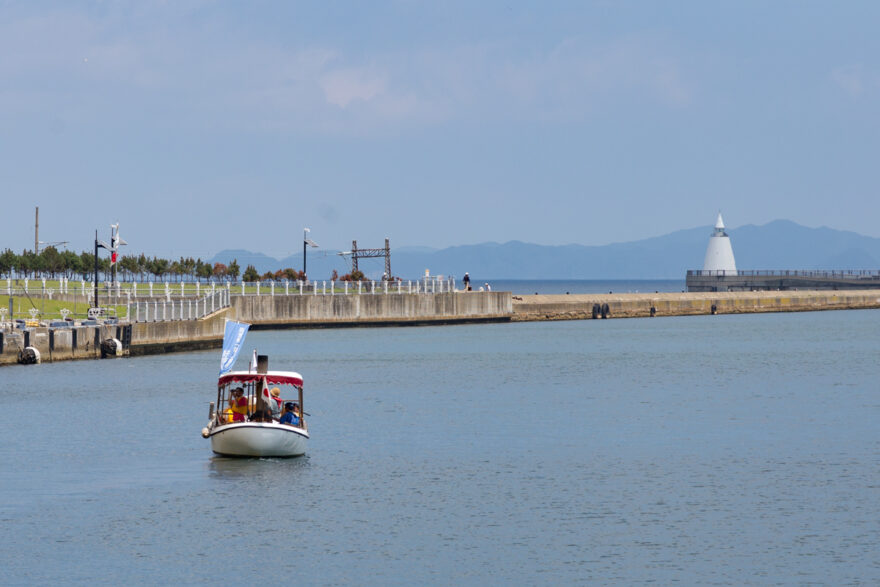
point(160, 326)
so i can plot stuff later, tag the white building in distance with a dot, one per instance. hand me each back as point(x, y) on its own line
point(719, 253)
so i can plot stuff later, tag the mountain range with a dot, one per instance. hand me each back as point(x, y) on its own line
point(780, 244)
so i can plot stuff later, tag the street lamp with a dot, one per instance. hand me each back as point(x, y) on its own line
point(307, 242)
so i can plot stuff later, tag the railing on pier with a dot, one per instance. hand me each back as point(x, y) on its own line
point(178, 309)
point(427, 285)
point(156, 302)
point(152, 289)
point(821, 274)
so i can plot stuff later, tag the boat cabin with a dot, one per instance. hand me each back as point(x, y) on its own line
point(240, 393)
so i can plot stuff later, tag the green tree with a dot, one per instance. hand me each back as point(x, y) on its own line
point(87, 265)
point(71, 262)
point(159, 267)
point(205, 271)
point(129, 266)
point(51, 261)
point(250, 274)
point(176, 269)
point(233, 269)
point(8, 260)
point(143, 265)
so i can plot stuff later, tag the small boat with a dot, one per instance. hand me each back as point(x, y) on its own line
point(244, 421)
point(253, 431)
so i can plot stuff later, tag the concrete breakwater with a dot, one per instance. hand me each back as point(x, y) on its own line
point(267, 311)
point(327, 310)
point(634, 305)
point(371, 310)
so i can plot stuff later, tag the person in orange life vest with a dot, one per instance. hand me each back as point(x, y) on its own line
point(238, 404)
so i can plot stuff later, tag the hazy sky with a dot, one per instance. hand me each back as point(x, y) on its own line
point(206, 125)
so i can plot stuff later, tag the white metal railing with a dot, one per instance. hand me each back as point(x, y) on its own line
point(178, 309)
point(155, 301)
point(427, 285)
point(119, 293)
point(158, 302)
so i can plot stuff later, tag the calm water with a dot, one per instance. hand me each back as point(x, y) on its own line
point(699, 450)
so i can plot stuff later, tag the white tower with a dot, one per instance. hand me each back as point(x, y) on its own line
point(719, 253)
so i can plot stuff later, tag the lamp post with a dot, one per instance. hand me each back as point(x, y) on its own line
point(307, 242)
point(102, 245)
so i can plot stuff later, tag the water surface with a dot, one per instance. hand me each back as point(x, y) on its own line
point(734, 449)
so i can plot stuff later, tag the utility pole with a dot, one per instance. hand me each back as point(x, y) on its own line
point(37, 232)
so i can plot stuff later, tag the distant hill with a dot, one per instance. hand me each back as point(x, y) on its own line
point(781, 244)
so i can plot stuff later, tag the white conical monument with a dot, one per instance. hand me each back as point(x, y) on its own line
point(719, 253)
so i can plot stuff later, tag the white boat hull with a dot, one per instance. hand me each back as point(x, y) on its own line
point(259, 439)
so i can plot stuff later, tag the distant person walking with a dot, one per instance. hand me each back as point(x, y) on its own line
point(488, 287)
point(467, 281)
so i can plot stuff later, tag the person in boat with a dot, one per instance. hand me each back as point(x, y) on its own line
point(276, 403)
point(238, 404)
point(290, 415)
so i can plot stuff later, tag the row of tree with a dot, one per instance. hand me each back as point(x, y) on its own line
point(54, 264)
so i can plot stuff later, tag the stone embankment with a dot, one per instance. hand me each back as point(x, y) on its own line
point(635, 305)
point(326, 310)
point(266, 311)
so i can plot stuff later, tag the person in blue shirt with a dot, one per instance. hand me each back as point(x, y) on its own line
point(290, 414)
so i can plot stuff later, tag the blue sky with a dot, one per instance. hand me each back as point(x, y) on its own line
point(201, 126)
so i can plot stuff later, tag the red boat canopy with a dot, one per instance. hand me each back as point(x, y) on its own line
point(273, 377)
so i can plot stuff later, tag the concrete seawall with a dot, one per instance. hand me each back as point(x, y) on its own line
point(579, 307)
point(321, 311)
point(371, 310)
point(280, 311)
